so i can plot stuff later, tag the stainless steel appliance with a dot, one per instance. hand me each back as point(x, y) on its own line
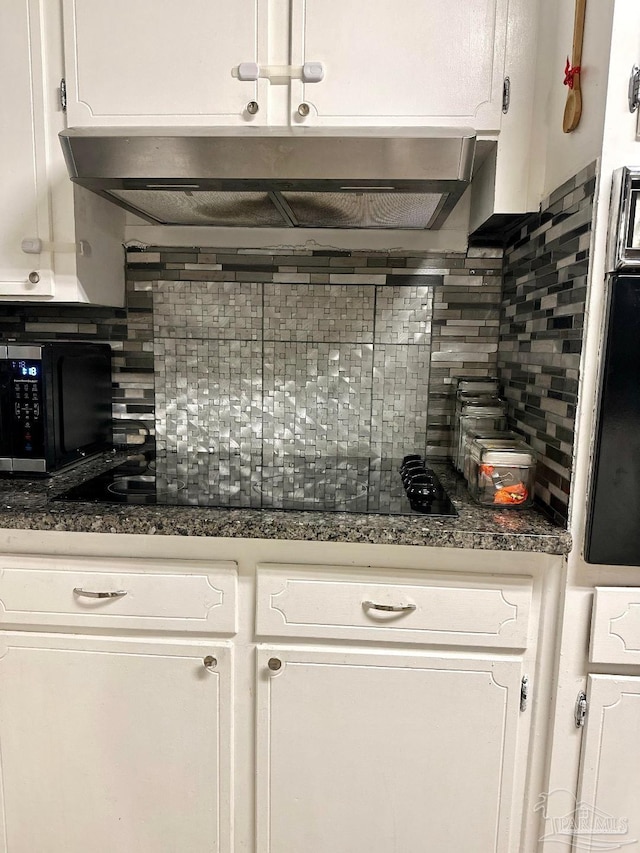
point(278, 177)
point(613, 531)
point(55, 405)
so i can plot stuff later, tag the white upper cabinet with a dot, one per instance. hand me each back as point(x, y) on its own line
point(419, 62)
point(24, 200)
point(72, 259)
point(423, 62)
point(140, 62)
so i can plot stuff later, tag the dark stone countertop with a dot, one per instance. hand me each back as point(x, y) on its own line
point(25, 504)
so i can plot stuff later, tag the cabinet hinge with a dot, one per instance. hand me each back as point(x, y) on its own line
point(581, 709)
point(524, 692)
point(506, 95)
point(634, 89)
point(63, 95)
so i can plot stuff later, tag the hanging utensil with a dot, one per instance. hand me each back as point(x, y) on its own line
point(573, 107)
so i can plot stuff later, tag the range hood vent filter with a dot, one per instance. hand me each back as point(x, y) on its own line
point(202, 207)
point(363, 210)
point(275, 210)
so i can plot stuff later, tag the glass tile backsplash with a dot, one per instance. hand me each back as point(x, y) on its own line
point(313, 354)
point(303, 369)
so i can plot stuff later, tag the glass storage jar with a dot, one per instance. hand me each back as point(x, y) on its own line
point(493, 434)
point(474, 417)
point(469, 398)
point(501, 473)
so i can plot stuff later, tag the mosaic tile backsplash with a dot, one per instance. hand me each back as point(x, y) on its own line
point(277, 369)
point(315, 350)
point(541, 329)
point(314, 353)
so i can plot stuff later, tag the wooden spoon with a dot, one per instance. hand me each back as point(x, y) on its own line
point(573, 107)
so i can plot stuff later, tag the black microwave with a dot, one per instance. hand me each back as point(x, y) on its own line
point(55, 405)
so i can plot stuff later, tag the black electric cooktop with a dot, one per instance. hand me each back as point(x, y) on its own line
point(291, 483)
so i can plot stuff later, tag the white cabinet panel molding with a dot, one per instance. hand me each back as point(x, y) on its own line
point(24, 193)
point(348, 745)
point(607, 814)
point(114, 745)
point(443, 609)
point(138, 62)
point(203, 601)
point(615, 627)
point(428, 62)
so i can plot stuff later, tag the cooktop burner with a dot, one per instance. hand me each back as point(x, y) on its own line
point(356, 485)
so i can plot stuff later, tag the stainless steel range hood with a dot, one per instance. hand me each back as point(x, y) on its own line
point(274, 177)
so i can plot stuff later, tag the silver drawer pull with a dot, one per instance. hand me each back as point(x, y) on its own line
point(89, 594)
point(389, 608)
point(210, 663)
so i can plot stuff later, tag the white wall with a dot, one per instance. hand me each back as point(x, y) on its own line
point(557, 155)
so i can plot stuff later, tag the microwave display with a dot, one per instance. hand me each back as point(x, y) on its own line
point(26, 369)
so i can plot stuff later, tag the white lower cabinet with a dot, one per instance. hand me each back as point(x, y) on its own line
point(390, 712)
point(116, 732)
point(607, 814)
point(369, 752)
point(607, 809)
point(365, 710)
point(114, 745)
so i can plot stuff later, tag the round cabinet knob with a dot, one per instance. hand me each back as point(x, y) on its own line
point(304, 110)
point(34, 277)
point(210, 663)
point(252, 107)
point(274, 664)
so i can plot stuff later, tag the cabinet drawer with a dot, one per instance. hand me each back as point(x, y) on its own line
point(403, 607)
point(615, 625)
point(155, 596)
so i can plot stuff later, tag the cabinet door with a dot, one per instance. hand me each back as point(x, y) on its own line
point(414, 63)
point(140, 62)
point(607, 813)
point(113, 745)
point(368, 753)
point(24, 200)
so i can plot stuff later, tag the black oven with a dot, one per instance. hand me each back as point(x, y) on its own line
point(613, 521)
point(55, 405)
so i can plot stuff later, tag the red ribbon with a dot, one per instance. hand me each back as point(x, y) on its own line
point(570, 73)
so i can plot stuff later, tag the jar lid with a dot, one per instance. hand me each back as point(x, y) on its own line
point(475, 385)
point(492, 434)
point(478, 410)
point(502, 452)
point(466, 397)
point(508, 458)
point(475, 378)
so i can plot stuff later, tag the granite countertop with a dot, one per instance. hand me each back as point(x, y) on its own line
point(27, 504)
